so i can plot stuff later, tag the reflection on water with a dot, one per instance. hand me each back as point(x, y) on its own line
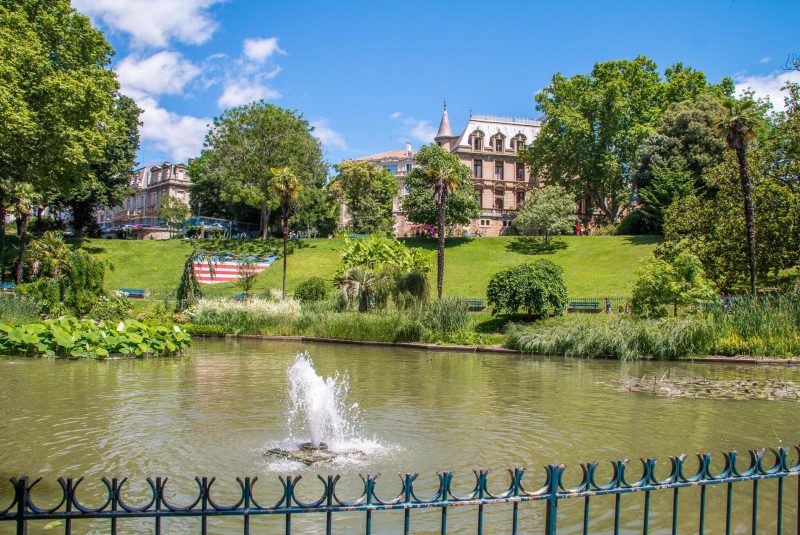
point(215, 410)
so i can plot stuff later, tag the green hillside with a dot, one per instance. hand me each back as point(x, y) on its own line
point(593, 266)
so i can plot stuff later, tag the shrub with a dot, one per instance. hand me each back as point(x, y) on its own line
point(74, 291)
point(537, 288)
point(673, 281)
point(312, 289)
point(634, 224)
point(446, 317)
point(410, 289)
point(111, 308)
point(188, 291)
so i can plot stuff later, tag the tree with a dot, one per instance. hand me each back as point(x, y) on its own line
point(189, 290)
point(173, 211)
point(286, 187)
point(57, 98)
point(548, 210)
point(23, 197)
point(667, 185)
point(537, 287)
point(676, 281)
point(442, 182)
point(367, 190)
point(596, 124)
point(247, 142)
point(738, 124)
point(360, 285)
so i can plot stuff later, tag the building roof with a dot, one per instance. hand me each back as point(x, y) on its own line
point(389, 155)
point(445, 130)
point(508, 127)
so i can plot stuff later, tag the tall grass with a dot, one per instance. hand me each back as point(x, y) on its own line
point(18, 309)
point(766, 326)
point(445, 319)
point(605, 336)
point(245, 317)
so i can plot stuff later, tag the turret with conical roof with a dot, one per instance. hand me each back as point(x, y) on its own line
point(445, 134)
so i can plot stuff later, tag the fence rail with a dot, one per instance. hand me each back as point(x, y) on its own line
point(23, 510)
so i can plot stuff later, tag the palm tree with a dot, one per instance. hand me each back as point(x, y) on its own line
point(360, 284)
point(738, 124)
point(24, 196)
point(443, 174)
point(286, 186)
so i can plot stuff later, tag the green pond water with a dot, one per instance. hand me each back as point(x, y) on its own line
point(217, 409)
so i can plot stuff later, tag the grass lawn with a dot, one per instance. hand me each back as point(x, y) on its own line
point(593, 265)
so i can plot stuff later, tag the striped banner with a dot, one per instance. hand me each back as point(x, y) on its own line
point(227, 270)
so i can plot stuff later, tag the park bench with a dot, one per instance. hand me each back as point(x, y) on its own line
point(474, 305)
point(584, 306)
point(133, 293)
point(8, 287)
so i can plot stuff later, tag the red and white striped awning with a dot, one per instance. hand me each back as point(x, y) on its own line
point(225, 271)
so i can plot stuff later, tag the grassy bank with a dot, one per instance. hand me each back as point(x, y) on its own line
point(593, 266)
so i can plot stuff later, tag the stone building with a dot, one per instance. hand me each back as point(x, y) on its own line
point(150, 183)
point(489, 146)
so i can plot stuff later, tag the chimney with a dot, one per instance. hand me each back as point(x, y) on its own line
point(408, 148)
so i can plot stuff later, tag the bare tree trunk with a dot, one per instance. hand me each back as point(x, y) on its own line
point(285, 220)
point(22, 228)
point(2, 234)
point(264, 221)
point(749, 214)
point(39, 231)
point(440, 247)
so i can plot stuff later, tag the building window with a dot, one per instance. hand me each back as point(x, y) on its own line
point(498, 144)
point(409, 166)
point(498, 170)
point(519, 143)
point(485, 222)
point(477, 168)
point(498, 200)
point(477, 142)
point(520, 171)
point(391, 168)
point(520, 198)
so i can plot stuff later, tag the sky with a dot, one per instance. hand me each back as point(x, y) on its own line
point(371, 75)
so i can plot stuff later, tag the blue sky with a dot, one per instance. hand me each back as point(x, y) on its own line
point(371, 75)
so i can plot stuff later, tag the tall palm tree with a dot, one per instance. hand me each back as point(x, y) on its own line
point(286, 186)
point(738, 124)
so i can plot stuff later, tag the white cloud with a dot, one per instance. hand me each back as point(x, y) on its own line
point(327, 135)
point(259, 50)
point(765, 59)
point(768, 86)
point(155, 22)
point(419, 129)
point(164, 72)
point(243, 91)
point(179, 135)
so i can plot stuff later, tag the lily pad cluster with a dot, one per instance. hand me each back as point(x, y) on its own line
point(705, 387)
point(74, 338)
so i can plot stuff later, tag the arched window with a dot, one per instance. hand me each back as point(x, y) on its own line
point(477, 140)
point(498, 142)
point(519, 142)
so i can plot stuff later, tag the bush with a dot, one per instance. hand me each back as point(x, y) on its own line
point(537, 288)
point(410, 289)
point(313, 289)
point(446, 317)
point(111, 308)
point(74, 291)
point(634, 224)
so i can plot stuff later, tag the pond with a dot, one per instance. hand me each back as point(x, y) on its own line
point(217, 409)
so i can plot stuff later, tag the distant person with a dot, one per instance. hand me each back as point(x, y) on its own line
point(608, 305)
point(577, 229)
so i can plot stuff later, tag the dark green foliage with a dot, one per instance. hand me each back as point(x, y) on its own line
point(74, 291)
point(410, 289)
point(633, 224)
point(312, 289)
point(367, 190)
point(189, 291)
point(667, 185)
point(537, 288)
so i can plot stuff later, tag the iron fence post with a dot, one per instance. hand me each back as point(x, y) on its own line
point(21, 495)
point(553, 480)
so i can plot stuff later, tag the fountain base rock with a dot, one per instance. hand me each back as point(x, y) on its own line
point(307, 454)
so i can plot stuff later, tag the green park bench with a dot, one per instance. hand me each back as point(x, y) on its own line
point(133, 293)
point(474, 304)
point(584, 306)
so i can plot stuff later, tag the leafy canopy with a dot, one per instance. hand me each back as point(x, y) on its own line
point(367, 190)
point(548, 210)
point(537, 288)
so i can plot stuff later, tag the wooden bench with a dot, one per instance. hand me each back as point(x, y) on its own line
point(584, 306)
point(133, 293)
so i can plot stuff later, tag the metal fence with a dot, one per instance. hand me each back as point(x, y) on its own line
point(777, 466)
